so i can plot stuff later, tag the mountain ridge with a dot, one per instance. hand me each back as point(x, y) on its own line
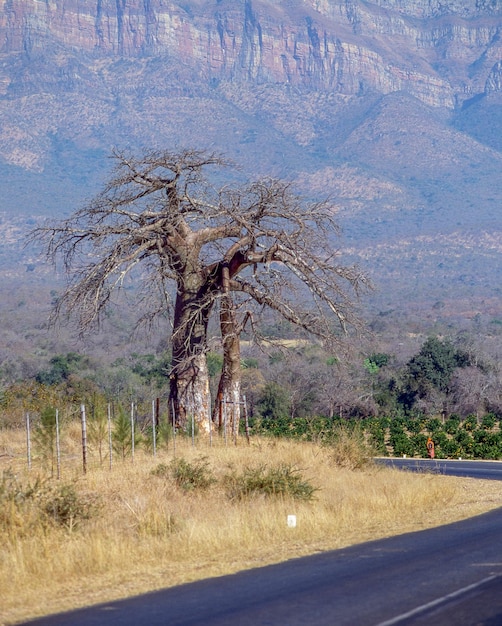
point(390, 108)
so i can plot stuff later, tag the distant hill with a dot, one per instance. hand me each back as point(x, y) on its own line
point(392, 109)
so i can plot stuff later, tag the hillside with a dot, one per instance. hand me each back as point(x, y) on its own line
point(393, 111)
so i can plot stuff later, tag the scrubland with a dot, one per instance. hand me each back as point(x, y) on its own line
point(197, 511)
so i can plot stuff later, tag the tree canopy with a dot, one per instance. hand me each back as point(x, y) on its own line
point(189, 242)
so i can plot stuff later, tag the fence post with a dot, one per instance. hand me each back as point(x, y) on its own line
point(173, 421)
point(28, 440)
point(110, 447)
point(132, 432)
point(154, 429)
point(58, 447)
point(246, 422)
point(84, 438)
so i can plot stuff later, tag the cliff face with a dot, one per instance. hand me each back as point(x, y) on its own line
point(439, 52)
point(391, 107)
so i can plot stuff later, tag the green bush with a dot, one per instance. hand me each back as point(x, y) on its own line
point(470, 423)
point(189, 476)
point(283, 480)
point(401, 443)
point(451, 425)
point(25, 507)
point(465, 441)
point(488, 422)
point(487, 445)
point(419, 444)
point(434, 425)
point(67, 508)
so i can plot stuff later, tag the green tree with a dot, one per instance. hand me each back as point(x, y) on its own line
point(122, 433)
point(431, 370)
point(45, 436)
point(274, 402)
point(60, 368)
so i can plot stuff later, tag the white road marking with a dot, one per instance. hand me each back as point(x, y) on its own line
point(430, 605)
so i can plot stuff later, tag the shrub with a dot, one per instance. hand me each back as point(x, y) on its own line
point(465, 442)
point(451, 425)
point(470, 422)
point(67, 508)
point(189, 476)
point(23, 508)
point(488, 422)
point(434, 425)
point(283, 480)
point(349, 447)
point(19, 510)
point(419, 444)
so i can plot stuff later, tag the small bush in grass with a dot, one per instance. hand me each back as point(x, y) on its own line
point(283, 480)
point(19, 504)
point(187, 475)
point(67, 508)
point(349, 447)
point(23, 508)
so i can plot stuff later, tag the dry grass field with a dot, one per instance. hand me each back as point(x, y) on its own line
point(134, 528)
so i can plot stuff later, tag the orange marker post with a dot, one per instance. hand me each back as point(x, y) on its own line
point(430, 448)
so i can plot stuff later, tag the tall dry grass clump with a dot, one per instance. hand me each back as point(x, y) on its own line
point(205, 511)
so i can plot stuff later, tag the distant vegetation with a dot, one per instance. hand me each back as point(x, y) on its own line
point(447, 390)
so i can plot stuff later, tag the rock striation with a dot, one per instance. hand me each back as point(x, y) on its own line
point(440, 52)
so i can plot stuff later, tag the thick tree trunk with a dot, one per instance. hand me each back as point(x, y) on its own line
point(227, 409)
point(189, 379)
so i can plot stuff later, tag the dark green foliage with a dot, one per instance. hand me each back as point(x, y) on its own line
point(376, 435)
point(487, 445)
point(61, 367)
point(452, 424)
point(152, 369)
point(470, 423)
point(419, 444)
point(433, 425)
point(401, 444)
point(45, 436)
point(283, 480)
point(488, 421)
point(431, 368)
point(465, 442)
point(122, 433)
point(273, 402)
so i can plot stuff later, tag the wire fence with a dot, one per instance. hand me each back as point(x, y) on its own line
point(112, 435)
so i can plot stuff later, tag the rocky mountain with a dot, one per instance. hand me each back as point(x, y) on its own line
point(393, 108)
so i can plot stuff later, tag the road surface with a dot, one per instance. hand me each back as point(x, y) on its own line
point(488, 470)
point(448, 575)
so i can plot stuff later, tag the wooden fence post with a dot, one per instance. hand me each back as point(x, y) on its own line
point(110, 447)
point(28, 440)
point(84, 438)
point(58, 447)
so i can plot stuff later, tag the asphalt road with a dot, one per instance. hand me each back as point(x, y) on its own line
point(444, 576)
point(491, 470)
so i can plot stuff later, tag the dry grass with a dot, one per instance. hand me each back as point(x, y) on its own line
point(149, 533)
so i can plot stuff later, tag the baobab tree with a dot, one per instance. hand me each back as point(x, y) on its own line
point(162, 220)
